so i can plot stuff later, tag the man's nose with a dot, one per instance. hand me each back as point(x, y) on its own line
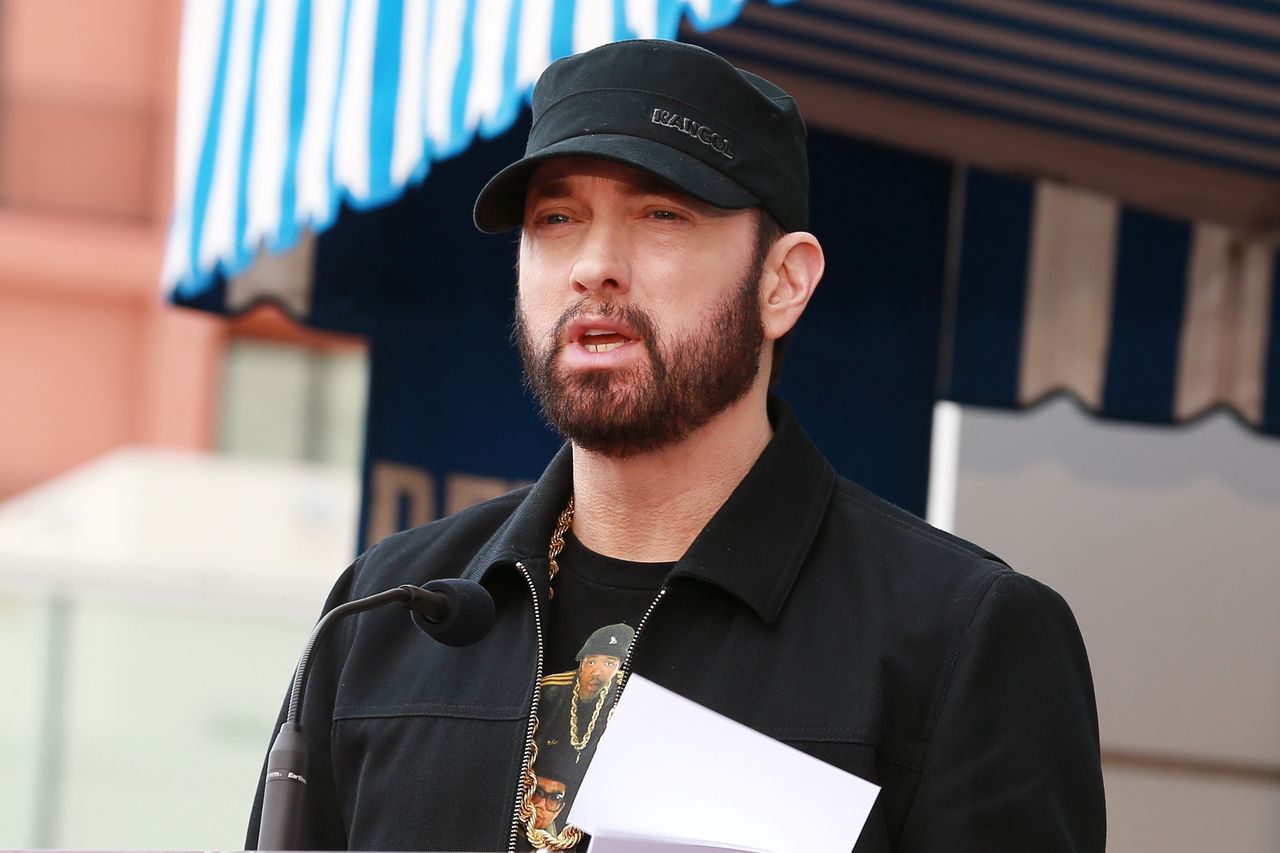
point(601, 266)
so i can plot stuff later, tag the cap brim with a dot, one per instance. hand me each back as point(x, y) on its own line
point(500, 205)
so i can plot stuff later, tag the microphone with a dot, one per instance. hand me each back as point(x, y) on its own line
point(452, 611)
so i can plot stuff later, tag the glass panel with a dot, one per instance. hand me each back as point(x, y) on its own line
point(169, 712)
point(288, 401)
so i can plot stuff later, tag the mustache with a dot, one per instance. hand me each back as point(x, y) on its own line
point(636, 318)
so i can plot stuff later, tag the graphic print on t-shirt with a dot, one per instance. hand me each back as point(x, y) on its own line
point(572, 715)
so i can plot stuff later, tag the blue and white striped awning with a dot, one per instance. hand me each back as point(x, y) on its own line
point(289, 108)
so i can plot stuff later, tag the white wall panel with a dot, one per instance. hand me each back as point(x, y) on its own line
point(1165, 542)
point(1154, 813)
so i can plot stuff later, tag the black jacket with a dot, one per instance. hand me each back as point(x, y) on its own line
point(807, 608)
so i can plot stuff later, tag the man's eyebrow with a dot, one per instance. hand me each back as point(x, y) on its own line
point(556, 188)
point(645, 184)
point(651, 185)
point(559, 188)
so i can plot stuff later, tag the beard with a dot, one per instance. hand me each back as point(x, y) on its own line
point(679, 388)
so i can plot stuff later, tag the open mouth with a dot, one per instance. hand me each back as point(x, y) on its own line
point(601, 340)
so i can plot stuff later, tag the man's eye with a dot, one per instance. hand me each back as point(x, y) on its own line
point(552, 219)
point(665, 214)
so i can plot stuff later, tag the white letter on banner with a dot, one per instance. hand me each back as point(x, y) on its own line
point(390, 484)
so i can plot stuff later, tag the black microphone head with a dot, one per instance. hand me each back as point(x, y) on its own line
point(465, 617)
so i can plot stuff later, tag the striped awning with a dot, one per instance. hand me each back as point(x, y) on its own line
point(1123, 159)
point(1116, 235)
point(1142, 317)
point(1170, 105)
point(290, 108)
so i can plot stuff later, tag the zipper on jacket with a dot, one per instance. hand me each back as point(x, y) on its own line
point(635, 638)
point(516, 824)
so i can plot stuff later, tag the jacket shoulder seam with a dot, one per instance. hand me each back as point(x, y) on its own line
point(953, 658)
point(920, 529)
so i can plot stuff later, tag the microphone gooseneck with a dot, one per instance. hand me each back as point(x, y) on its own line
point(453, 611)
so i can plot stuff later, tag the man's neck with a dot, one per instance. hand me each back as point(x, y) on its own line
point(649, 508)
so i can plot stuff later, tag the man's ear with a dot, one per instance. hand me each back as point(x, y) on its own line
point(792, 270)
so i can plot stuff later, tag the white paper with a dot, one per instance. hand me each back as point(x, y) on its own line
point(607, 842)
point(668, 768)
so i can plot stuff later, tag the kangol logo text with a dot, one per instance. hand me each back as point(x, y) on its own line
point(700, 132)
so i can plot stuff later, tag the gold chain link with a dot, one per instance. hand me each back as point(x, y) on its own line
point(580, 745)
point(557, 543)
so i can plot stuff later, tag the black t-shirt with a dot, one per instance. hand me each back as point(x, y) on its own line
point(592, 590)
point(597, 606)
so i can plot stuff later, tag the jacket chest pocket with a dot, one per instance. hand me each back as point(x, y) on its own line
point(413, 779)
point(896, 775)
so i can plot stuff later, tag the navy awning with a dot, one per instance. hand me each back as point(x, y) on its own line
point(1138, 316)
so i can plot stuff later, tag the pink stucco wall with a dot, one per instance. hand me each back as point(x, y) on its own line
point(90, 357)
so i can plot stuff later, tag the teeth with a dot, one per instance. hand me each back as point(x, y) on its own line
point(602, 347)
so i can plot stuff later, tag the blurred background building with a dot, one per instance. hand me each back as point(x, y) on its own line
point(177, 490)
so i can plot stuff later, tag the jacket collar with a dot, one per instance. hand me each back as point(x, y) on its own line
point(752, 548)
point(526, 534)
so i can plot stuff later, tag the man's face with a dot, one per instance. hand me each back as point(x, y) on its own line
point(639, 307)
point(594, 673)
point(548, 800)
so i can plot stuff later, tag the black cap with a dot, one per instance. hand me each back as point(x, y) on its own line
point(610, 640)
point(677, 111)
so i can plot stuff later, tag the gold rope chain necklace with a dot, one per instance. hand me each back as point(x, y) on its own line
point(563, 523)
point(570, 835)
point(574, 741)
point(557, 545)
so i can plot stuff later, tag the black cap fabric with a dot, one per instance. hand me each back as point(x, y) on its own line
point(610, 640)
point(679, 112)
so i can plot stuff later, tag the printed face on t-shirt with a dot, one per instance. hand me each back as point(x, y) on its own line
point(548, 800)
point(594, 673)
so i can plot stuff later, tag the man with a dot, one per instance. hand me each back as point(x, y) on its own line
point(548, 799)
point(662, 205)
point(576, 705)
